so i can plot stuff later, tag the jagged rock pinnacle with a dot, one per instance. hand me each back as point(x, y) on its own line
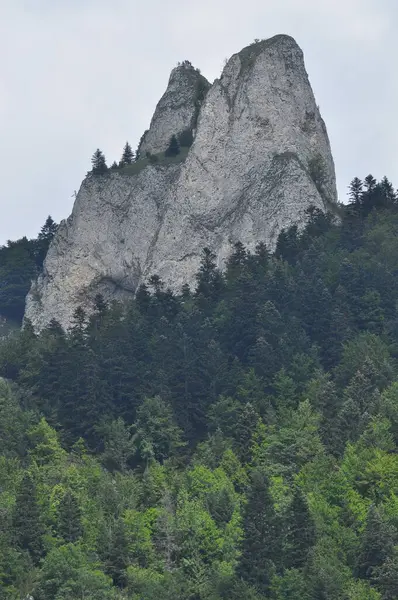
point(259, 159)
point(178, 109)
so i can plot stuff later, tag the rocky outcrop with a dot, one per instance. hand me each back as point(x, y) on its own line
point(178, 109)
point(259, 159)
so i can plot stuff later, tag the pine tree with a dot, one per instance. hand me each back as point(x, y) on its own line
point(288, 245)
point(209, 280)
point(99, 163)
point(300, 537)
point(44, 239)
point(355, 192)
point(173, 148)
point(69, 523)
point(115, 554)
point(27, 526)
point(127, 156)
point(261, 547)
point(377, 544)
point(370, 183)
point(245, 428)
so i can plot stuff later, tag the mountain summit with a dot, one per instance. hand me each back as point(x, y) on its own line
point(251, 154)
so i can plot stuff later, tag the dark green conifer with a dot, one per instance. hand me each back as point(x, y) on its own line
point(27, 526)
point(173, 148)
point(300, 534)
point(261, 546)
point(377, 544)
point(127, 156)
point(69, 523)
point(99, 163)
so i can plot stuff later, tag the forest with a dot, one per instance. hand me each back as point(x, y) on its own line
point(234, 441)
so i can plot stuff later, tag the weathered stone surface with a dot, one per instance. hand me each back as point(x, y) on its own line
point(177, 110)
point(260, 158)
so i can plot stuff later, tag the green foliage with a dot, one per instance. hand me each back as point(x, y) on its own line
point(261, 550)
point(98, 162)
point(20, 263)
point(69, 524)
point(127, 156)
point(157, 436)
point(235, 441)
point(26, 521)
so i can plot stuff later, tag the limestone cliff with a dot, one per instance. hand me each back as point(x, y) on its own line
point(260, 157)
point(178, 109)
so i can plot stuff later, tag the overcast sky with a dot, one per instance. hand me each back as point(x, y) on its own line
point(80, 74)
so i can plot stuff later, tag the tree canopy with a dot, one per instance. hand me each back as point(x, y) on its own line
point(237, 440)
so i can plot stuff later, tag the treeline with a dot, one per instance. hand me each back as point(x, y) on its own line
point(234, 441)
point(176, 143)
point(20, 262)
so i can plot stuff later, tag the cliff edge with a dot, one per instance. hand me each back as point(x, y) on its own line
point(259, 158)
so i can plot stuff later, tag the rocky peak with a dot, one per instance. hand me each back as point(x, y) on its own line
point(259, 159)
point(178, 109)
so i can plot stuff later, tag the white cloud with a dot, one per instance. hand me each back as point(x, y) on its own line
point(77, 74)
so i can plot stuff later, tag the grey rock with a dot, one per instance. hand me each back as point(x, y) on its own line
point(260, 158)
point(177, 110)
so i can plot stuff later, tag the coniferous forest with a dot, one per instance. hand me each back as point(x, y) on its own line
point(237, 441)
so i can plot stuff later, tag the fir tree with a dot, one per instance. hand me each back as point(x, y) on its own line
point(27, 526)
point(377, 544)
point(69, 518)
point(127, 156)
point(288, 244)
point(301, 532)
point(99, 163)
point(355, 192)
point(173, 148)
point(44, 239)
point(209, 280)
point(370, 183)
point(261, 547)
point(114, 553)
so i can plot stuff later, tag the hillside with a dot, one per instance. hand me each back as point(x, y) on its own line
point(234, 441)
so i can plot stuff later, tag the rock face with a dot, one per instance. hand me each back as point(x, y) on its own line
point(178, 109)
point(260, 157)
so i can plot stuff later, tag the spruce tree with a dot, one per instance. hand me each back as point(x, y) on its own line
point(300, 535)
point(99, 163)
point(245, 427)
point(44, 239)
point(261, 546)
point(370, 183)
point(377, 544)
point(355, 192)
point(27, 526)
point(288, 245)
point(127, 156)
point(209, 280)
point(173, 148)
point(69, 523)
point(115, 553)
